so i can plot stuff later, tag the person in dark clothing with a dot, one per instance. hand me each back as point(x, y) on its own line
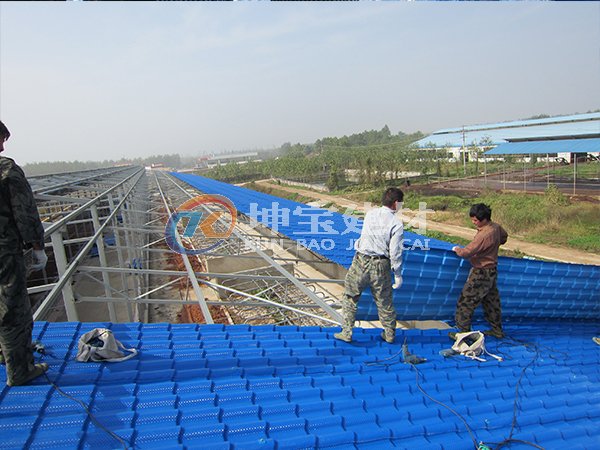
point(20, 228)
point(480, 287)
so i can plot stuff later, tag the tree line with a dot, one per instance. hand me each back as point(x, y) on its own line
point(174, 161)
point(370, 157)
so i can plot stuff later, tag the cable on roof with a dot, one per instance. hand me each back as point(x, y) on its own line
point(479, 446)
point(413, 360)
point(88, 412)
point(41, 349)
point(381, 362)
point(510, 440)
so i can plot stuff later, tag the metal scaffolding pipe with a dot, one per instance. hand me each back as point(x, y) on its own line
point(70, 269)
point(334, 314)
point(188, 266)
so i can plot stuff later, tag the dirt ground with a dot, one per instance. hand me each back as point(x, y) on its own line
point(535, 181)
point(561, 254)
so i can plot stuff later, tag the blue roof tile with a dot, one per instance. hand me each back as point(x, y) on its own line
point(302, 400)
point(296, 441)
point(196, 434)
point(528, 288)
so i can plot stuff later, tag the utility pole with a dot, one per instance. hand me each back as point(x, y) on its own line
point(463, 153)
point(574, 172)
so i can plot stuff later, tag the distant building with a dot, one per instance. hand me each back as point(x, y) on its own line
point(219, 160)
point(158, 166)
point(202, 162)
point(555, 136)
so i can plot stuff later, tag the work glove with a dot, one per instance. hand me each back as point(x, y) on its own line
point(397, 281)
point(39, 260)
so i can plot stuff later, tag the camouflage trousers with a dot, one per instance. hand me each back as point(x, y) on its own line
point(16, 322)
point(480, 288)
point(377, 274)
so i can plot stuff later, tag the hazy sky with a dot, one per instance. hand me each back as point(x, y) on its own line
point(94, 81)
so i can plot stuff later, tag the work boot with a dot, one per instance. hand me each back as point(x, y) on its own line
point(388, 336)
point(345, 336)
point(38, 369)
point(498, 334)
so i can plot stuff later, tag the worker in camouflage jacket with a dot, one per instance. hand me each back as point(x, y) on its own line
point(20, 229)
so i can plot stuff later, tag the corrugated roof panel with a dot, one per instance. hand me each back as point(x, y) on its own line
point(591, 145)
point(347, 396)
point(433, 277)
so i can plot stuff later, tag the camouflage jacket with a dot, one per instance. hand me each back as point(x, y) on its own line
point(19, 219)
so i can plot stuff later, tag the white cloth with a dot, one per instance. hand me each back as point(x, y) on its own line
point(382, 234)
point(39, 260)
point(100, 345)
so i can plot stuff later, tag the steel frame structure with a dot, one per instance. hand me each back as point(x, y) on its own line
point(105, 236)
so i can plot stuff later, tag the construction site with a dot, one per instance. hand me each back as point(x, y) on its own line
point(229, 300)
point(269, 227)
point(109, 260)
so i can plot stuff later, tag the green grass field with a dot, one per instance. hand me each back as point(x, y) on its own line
point(588, 171)
point(551, 218)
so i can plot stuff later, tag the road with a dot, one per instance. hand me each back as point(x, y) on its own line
point(561, 254)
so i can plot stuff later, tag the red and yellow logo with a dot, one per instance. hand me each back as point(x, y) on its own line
point(215, 216)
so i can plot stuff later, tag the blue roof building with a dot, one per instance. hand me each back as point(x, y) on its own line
point(579, 126)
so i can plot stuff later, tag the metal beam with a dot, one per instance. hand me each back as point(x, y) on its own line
point(334, 314)
point(270, 302)
point(188, 266)
point(104, 173)
point(72, 215)
point(170, 301)
point(130, 270)
point(70, 269)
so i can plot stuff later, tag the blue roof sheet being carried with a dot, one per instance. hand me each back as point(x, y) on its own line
point(591, 145)
point(284, 387)
point(433, 275)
